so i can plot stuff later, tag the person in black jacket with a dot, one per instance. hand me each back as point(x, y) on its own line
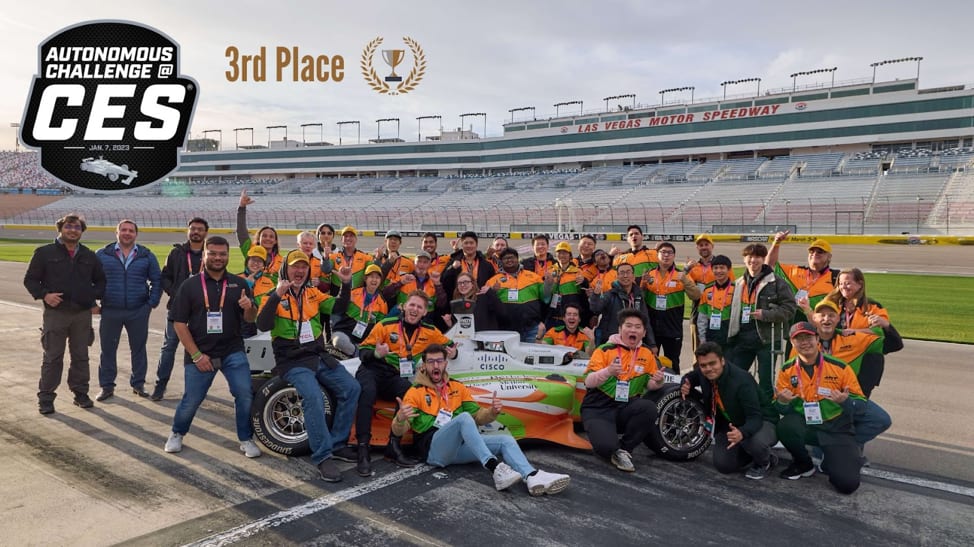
point(467, 259)
point(624, 294)
point(743, 423)
point(185, 259)
point(69, 278)
point(133, 289)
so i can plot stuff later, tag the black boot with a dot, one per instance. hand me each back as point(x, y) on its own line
point(395, 454)
point(364, 465)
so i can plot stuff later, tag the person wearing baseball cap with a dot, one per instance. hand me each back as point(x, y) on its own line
point(569, 285)
point(817, 397)
point(421, 279)
point(292, 313)
point(350, 255)
point(393, 264)
point(701, 272)
point(862, 352)
point(713, 313)
point(365, 308)
point(809, 283)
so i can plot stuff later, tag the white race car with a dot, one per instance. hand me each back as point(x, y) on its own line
point(103, 167)
point(540, 385)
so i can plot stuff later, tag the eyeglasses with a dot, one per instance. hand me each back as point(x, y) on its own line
point(438, 361)
point(326, 233)
point(71, 227)
point(464, 282)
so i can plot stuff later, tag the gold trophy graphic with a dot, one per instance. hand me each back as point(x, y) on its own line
point(393, 57)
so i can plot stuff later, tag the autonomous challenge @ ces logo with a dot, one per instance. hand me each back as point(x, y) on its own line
point(108, 109)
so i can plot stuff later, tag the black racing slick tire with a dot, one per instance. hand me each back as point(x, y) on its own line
point(278, 420)
point(679, 433)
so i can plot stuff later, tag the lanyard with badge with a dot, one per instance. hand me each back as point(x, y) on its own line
point(667, 283)
point(214, 319)
point(443, 415)
point(622, 386)
point(813, 411)
point(511, 293)
point(305, 332)
point(715, 310)
point(364, 320)
point(406, 363)
point(810, 279)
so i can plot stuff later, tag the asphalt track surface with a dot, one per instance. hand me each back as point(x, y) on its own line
point(100, 476)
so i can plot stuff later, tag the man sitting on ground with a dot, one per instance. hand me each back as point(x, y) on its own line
point(444, 419)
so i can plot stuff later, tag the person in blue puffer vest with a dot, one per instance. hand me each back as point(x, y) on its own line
point(133, 289)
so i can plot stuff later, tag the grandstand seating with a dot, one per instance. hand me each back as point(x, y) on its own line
point(803, 190)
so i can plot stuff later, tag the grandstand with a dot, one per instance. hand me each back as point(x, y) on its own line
point(860, 157)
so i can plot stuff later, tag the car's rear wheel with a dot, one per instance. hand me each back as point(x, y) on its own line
point(278, 419)
point(678, 434)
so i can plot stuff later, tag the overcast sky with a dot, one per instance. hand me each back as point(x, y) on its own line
point(493, 56)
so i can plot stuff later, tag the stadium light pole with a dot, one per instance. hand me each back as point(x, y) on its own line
point(269, 127)
point(919, 199)
point(741, 81)
point(474, 114)
point(894, 61)
point(947, 198)
point(236, 142)
point(321, 129)
point(419, 124)
point(16, 125)
point(663, 92)
point(378, 127)
point(794, 77)
point(220, 131)
point(566, 103)
point(787, 219)
point(623, 96)
point(522, 109)
point(349, 122)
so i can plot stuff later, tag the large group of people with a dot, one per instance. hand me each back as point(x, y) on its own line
point(817, 339)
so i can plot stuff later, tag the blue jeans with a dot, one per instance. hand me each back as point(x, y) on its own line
point(136, 323)
point(344, 388)
point(167, 355)
point(871, 422)
point(461, 442)
point(529, 334)
point(236, 370)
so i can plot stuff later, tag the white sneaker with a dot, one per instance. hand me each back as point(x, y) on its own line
point(623, 460)
point(174, 443)
point(505, 477)
point(543, 482)
point(250, 449)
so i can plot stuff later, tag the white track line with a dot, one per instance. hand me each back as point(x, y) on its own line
point(234, 535)
point(916, 481)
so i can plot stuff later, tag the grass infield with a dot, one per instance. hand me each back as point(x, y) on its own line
point(922, 307)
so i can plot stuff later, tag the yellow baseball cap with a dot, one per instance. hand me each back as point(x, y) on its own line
point(297, 256)
point(256, 251)
point(373, 269)
point(563, 246)
point(827, 304)
point(820, 244)
point(704, 237)
point(348, 229)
